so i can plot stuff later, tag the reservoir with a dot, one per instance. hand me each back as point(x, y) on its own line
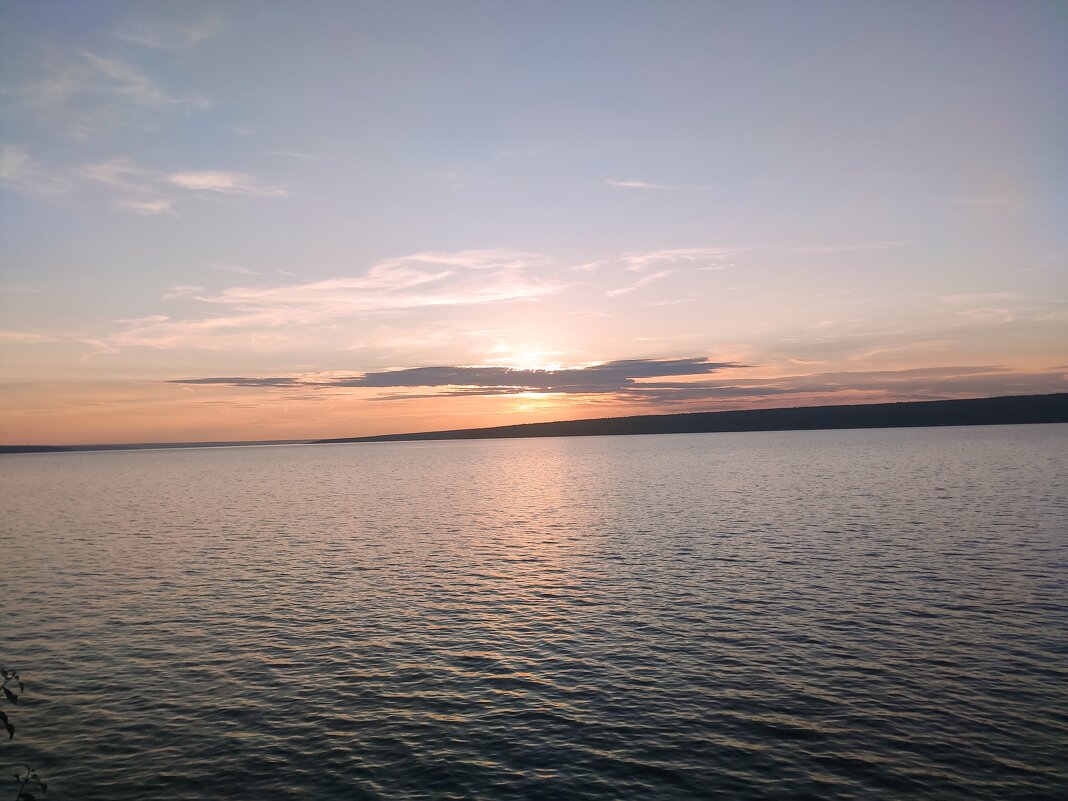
point(849, 614)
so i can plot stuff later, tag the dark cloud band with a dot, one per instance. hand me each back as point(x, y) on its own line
point(632, 379)
point(614, 376)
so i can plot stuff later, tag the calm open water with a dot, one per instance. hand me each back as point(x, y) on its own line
point(830, 614)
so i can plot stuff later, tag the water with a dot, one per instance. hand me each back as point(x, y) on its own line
point(830, 614)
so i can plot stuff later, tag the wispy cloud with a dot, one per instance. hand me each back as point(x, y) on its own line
point(622, 184)
point(180, 291)
point(18, 170)
point(236, 269)
point(275, 313)
point(119, 78)
point(882, 244)
point(971, 298)
point(1000, 308)
point(30, 337)
point(668, 262)
point(645, 279)
point(422, 279)
point(134, 188)
point(168, 35)
point(163, 332)
point(717, 258)
point(454, 179)
point(290, 313)
point(148, 191)
point(119, 173)
point(148, 208)
point(84, 93)
point(293, 154)
point(1046, 261)
point(225, 183)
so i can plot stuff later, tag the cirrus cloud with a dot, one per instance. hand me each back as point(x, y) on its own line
point(160, 35)
point(83, 93)
point(148, 192)
point(272, 314)
point(224, 183)
point(631, 184)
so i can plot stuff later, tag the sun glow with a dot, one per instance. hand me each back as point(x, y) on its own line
point(531, 360)
point(535, 401)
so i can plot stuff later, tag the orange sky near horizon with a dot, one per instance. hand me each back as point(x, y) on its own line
point(135, 412)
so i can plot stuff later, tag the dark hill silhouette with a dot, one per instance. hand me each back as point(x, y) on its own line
point(971, 412)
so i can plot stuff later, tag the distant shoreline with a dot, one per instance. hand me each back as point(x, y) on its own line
point(1008, 410)
point(148, 446)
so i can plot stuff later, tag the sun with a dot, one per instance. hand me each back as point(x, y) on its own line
point(532, 360)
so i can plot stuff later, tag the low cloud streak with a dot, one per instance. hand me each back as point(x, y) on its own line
point(628, 381)
point(619, 376)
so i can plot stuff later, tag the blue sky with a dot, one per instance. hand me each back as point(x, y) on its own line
point(843, 201)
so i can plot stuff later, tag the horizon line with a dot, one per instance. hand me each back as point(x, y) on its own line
point(473, 433)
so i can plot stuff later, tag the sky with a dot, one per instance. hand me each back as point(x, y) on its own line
point(272, 220)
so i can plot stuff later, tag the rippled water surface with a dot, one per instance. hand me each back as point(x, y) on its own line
point(829, 614)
